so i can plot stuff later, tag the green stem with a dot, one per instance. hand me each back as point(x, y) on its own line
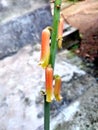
point(46, 114)
point(56, 18)
point(53, 50)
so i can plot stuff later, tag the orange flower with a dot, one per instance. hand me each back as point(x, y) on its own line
point(60, 32)
point(57, 88)
point(45, 48)
point(49, 83)
point(60, 27)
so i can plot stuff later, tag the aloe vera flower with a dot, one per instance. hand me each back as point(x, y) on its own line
point(57, 88)
point(49, 83)
point(60, 32)
point(45, 48)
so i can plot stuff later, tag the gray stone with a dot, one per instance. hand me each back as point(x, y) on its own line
point(13, 8)
point(79, 108)
point(21, 104)
point(86, 115)
point(23, 30)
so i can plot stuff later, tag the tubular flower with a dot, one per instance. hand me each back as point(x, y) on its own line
point(45, 48)
point(49, 83)
point(57, 88)
point(60, 32)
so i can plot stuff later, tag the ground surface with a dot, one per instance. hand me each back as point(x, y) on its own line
point(84, 16)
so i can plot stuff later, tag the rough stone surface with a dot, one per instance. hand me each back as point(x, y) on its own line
point(13, 8)
point(21, 105)
point(86, 115)
point(25, 29)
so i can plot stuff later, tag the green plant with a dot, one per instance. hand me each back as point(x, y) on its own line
point(47, 61)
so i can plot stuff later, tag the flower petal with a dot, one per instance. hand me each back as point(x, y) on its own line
point(45, 48)
point(57, 88)
point(60, 27)
point(60, 32)
point(49, 83)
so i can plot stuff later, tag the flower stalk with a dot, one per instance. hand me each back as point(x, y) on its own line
point(54, 36)
point(47, 61)
point(53, 49)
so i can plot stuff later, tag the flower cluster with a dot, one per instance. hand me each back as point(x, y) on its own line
point(51, 90)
